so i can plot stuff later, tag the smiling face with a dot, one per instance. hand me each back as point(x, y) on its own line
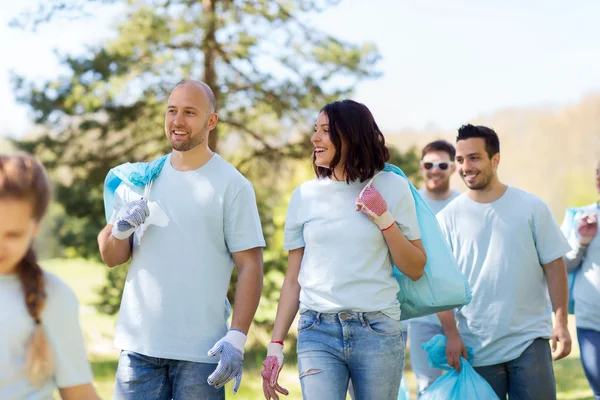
point(475, 167)
point(189, 117)
point(436, 169)
point(324, 149)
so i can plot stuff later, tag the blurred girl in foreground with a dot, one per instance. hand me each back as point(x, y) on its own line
point(41, 345)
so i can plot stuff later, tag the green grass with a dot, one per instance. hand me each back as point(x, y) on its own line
point(86, 276)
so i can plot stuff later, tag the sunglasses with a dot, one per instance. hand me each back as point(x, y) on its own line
point(443, 165)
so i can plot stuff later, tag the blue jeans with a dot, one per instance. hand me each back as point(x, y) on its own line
point(332, 348)
point(140, 377)
point(529, 377)
point(589, 346)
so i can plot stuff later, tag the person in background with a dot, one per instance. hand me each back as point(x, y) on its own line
point(585, 258)
point(41, 344)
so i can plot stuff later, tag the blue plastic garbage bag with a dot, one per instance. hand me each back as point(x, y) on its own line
point(468, 385)
point(404, 393)
point(442, 286)
point(567, 227)
point(135, 175)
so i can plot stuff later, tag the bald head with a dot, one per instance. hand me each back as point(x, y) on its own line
point(204, 88)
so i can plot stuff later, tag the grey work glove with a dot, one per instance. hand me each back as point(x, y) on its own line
point(131, 216)
point(231, 350)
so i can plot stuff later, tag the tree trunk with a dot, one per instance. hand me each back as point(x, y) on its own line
point(210, 74)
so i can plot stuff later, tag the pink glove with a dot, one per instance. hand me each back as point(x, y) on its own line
point(272, 366)
point(587, 229)
point(372, 203)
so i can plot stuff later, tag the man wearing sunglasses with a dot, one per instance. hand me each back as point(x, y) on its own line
point(437, 166)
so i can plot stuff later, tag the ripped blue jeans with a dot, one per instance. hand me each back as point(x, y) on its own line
point(332, 348)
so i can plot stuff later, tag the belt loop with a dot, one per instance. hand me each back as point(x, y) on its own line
point(361, 316)
point(318, 318)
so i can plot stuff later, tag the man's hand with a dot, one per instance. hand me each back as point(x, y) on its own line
point(587, 229)
point(231, 350)
point(131, 216)
point(561, 340)
point(454, 349)
point(272, 366)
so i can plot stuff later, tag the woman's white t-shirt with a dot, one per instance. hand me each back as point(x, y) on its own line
point(347, 265)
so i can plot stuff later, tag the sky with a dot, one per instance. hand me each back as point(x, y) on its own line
point(443, 63)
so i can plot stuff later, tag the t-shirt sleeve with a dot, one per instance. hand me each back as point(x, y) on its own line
point(405, 211)
point(61, 326)
point(243, 229)
point(293, 236)
point(550, 241)
point(442, 219)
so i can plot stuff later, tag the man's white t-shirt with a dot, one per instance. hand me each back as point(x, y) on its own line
point(175, 297)
point(60, 320)
point(347, 265)
point(500, 248)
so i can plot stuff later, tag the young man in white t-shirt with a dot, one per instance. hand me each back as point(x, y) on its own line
point(437, 166)
point(510, 248)
point(198, 219)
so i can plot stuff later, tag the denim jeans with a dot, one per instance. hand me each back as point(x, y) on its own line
point(589, 346)
point(529, 377)
point(420, 332)
point(140, 377)
point(332, 348)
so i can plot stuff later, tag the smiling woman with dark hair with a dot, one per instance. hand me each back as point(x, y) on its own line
point(352, 128)
point(345, 230)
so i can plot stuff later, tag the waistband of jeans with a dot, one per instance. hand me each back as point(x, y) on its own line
point(342, 316)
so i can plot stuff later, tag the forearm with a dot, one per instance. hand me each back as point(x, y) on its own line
point(408, 256)
point(558, 288)
point(289, 302)
point(448, 322)
point(247, 295)
point(574, 257)
point(113, 251)
point(79, 392)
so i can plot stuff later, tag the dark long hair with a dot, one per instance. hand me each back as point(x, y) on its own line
point(24, 179)
point(366, 154)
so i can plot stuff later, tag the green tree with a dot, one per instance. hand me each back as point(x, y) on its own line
point(269, 67)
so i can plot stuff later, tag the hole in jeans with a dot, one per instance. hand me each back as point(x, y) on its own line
point(310, 372)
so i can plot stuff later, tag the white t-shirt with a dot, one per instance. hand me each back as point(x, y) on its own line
point(500, 248)
point(436, 206)
point(175, 297)
point(347, 264)
point(586, 291)
point(60, 320)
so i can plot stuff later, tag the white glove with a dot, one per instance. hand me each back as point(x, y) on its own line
point(231, 350)
point(131, 216)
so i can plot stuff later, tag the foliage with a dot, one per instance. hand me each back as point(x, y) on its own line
point(270, 71)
